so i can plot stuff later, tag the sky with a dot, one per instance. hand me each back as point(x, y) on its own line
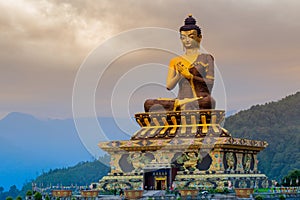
point(44, 44)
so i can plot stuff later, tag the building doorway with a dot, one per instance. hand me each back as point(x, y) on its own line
point(160, 183)
point(157, 179)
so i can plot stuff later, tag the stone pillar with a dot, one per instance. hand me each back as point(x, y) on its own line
point(221, 163)
point(114, 162)
point(239, 162)
point(217, 161)
point(255, 162)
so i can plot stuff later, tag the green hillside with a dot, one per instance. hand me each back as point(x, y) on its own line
point(84, 173)
point(278, 123)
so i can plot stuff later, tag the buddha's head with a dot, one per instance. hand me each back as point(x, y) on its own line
point(190, 33)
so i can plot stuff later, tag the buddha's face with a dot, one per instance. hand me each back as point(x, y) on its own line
point(190, 39)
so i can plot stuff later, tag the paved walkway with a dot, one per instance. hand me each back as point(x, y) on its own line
point(112, 197)
point(151, 193)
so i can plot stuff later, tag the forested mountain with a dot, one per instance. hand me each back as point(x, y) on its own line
point(278, 123)
point(84, 173)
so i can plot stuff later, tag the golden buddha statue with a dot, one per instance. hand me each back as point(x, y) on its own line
point(193, 72)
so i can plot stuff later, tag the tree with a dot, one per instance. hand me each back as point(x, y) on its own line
point(9, 198)
point(1, 189)
point(13, 191)
point(292, 179)
point(19, 198)
point(281, 197)
point(259, 198)
point(38, 196)
point(29, 193)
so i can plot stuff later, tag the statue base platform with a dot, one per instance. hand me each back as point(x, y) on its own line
point(187, 149)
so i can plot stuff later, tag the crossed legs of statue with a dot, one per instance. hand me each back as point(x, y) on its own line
point(163, 104)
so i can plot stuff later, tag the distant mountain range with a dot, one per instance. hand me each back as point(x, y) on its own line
point(31, 146)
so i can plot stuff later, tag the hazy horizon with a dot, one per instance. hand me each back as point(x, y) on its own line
point(43, 44)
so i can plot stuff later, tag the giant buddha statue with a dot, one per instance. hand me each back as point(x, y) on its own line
point(181, 141)
point(193, 72)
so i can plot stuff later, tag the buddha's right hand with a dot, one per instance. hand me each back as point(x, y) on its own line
point(183, 70)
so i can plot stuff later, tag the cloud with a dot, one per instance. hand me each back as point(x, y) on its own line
point(43, 43)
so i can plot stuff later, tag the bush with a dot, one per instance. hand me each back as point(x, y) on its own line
point(29, 193)
point(19, 198)
point(259, 198)
point(212, 191)
point(226, 190)
point(281, 197)
point(38, 196)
